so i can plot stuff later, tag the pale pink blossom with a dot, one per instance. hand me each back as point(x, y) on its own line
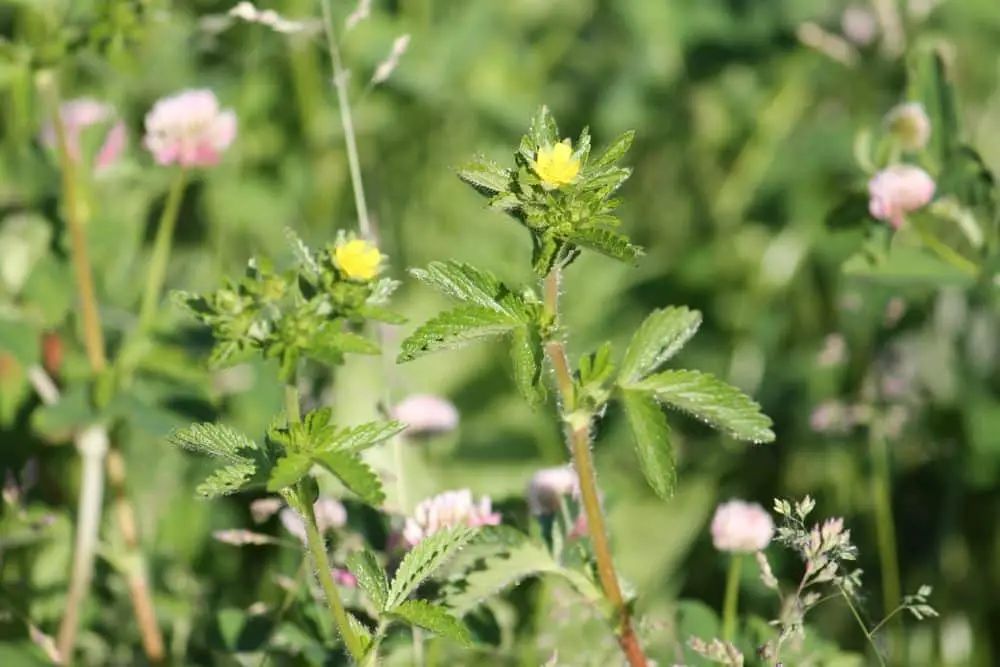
point(910, 124)
point(425, 414)
point(859, 25)
point(189, 129)
point(78, 116)
point(330, 514)
point(741, 527)
point(344, 578)
point(898, 190)
point(547, 486)
point(446, 510)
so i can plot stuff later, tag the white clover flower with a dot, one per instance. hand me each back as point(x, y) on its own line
point(425, 414)
point(741, 527)
point(189, 129)
point(898, 190)
point(445, 510)
point(548, 485)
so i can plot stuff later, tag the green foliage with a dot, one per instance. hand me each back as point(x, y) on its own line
point(434, 618)
point(651, 434)
point(421, 562)
point(371, 577)
point(660, 337)
point(353, 473)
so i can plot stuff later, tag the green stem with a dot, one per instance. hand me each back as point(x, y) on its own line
point(885, 527)
point(579, 444)
point(731, 603)
point(317, 547)
point(864, 629)
point(318, 550)
point(346, 119)
point(161, 253)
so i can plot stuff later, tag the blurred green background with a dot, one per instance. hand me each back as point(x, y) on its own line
point(744, 142)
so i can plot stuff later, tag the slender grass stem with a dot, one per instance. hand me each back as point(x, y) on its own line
point(161, 253)
point(885, 528)
point(731, 602)
point(579, 442)
point(864, 628)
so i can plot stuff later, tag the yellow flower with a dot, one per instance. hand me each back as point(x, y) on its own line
point(556, 166)
point(358, 259)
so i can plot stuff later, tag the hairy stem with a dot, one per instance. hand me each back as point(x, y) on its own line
point(91, 443)
point(317, 547)
point(731, 602)
point(161, 254)
point(885, 528)
point(579, 442)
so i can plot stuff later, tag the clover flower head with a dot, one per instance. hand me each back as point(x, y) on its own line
point(77, 116)
point(547, 486)
point(448, 509)
point(358, 259)
point(556, 166)
point(911, 125)
point(741, 527)
point(898, 190)
point(189, 129)
point(330, 514)
point(426, 414)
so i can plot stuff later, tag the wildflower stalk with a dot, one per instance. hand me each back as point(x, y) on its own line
point(161, 253)
point(731, 602)
point(317, 547)
point(885, 528)
point(864, 628)
point(579, 442)
point(91, 443)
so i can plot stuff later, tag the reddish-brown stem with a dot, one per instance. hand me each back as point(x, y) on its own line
point(579, 441)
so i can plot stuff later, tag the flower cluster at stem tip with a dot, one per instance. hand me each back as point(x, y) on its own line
point(445, 510)
point(556, 166)
point(189, 129)
point(741, 527)
point(358, 259)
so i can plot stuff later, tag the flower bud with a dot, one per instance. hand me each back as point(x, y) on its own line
point(898, 190)
point(910, 124)
point(547, 486)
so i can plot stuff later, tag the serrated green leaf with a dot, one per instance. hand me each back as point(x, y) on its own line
point(288, 471)
point(465, 283)
point(651, 435)
point(434, 618)
point(660, 337)
point(21, 341)
point(526, 353)
point(303, 255)
point(217, 440)
point(345, 342)
point(371, 577)
point(361, 631)
point(227, 353)
point(454, 329)
point(424, 559)
point(361, 437)
point(228, 480)
point(606, 242)
point(353, 473)
point(376, 313)
point(615, 151)
point(543, 130)
point(486, 176)
point(712, 401)
point(517, 559)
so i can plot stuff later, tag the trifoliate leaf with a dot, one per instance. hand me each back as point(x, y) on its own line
point(371, 577)
point(228, 480)
point(526, 353)
point(651, 435)
point(465, 283)
point(712, 401)
point(289, 471)
point(615, 151)
point(454, 329)
point(353, 473)
point(434, 618)
point(421, 562)
point(605, 242)
point(216, 440)
point(659, 338)
point(486, 176)
point(358, 438)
